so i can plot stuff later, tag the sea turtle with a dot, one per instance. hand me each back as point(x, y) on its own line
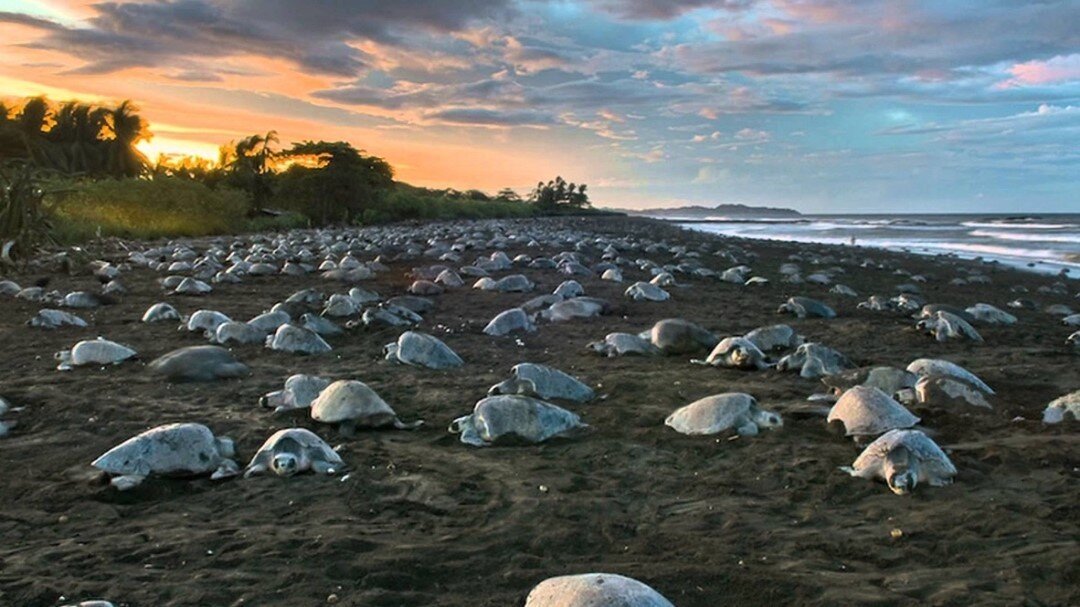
point(946, 325)
point(936, 366)
point(237, 332)
point(624, 344)
point(775, 337)
point(569, 289)
point(804, 307)
point(294, 450)
point(411, 306)
point(1074, 341)
point(206, 321)
point(268, 322)
point(192, 286)
point(988, 314)
point(380, 315)
point(170, 450)
point(98, 351)
point(735, 353)
point(425, 287)
point(81, 300)
point(298, 340)
point(942, 390)
point(903, 459)
point(714, 414)
point(159, 312)
point(612, 275)
point(663, 279)
point(339, 306)
point(931, 310)
point(594, 590)
point(352, 404)
point(450, 279)
point(889, 380)
point(646, 291)
point(509, 321)
point(866, 411)
point(509, 418)
point(1062, 408)
point(679, 336)
point(320, 325)
point(514, 283)
point(543, 382)
point(814, 360)
point(422, 350)
point(5, 427)
point(877, 303)
point(48, 318)
point(298, 393)
point(91, 603)
point(578, 307)
point(198, 364)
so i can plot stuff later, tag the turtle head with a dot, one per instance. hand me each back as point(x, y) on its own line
point(768, 419)
point(901, 471)
point(285, 464)
point(784, 307)
point(225, 446)
point(514, 385)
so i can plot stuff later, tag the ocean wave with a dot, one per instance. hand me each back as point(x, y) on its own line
point(1029, 236)
point(1018, 225)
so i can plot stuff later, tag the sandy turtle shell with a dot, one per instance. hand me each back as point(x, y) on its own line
point(514, 283)
point(269, 322)
point(48, 318)
point(340, 306)
point(170, 450)
point(937, 366)
point(381, 316)
point(624, 344)
point(425, 287)
point(736, 353)
point(866, 411)
point(320, 325)
point(889, 380)
point(509, 321)
point(578, 307)
point(98, 351)
point(298, 340)
point(804, 307)
point(237, 332)
point(775, 337)
point(198, 364)
point(206, 320)
point(544, 382)
point(594, 590)
point(904, 459)
point(569, 289)
point(292, 451)
point(192, 286)
point(720, 412)
point(450, 279)
point(298, 393)
point(940, 390)
point(679, 336)
point(815, 360)
point(159, 312)
point(422, 350)
point(988, 314)
point(612, 275)
point(946, 325)
point(1063, 408)
point(644, 291)
point(352, 404)
point(515, 419)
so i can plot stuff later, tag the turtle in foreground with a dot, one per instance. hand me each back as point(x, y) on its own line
point(509, 321)
point(199, 364)
point(507, 418)
point(298, 340)
point(937, 366)
point(1063, 408)
point(624, 344)
point(865, 411)
point(292, 451)
point(48, 318)
point(298, 393)
point(679, 336)
point(543, 382)
point(98, 351)
point(352, 404)
point(815, 360)
point(720, 412)
point(169, 450)
point(422, 350)
point(736, 353)
point(904, 459)
point(594, 590)
point(804, 307)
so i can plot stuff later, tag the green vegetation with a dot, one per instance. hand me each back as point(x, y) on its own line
point(73, 173)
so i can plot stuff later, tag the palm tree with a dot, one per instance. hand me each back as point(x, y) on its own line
point(251, 166)
point(31, 125)
point(127, 129)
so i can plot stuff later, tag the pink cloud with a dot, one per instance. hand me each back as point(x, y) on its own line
point(1063, 68)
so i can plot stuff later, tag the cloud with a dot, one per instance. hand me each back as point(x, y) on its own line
point(1062, 68)
point(666, 9)
point(492, 118)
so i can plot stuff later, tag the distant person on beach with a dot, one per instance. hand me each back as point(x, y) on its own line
point(852, 240)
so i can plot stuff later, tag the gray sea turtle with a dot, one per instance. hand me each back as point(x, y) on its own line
point(268, 322)
point(814, 360)
point(663, 279)
point(206, 321)
point(679, 336)
point(542, 381)
point(509, 321)
point(298, 393)
point(775, 337)
point(292, 451)
point(735, 353)
point(624, 344)
point(507, 418)
point(192, 286)
point(98, 351)
point(339, 305)
point(425, 287)
point(48, 318)
point(1074, 341)
point(988, 314)
point(904, 459)
point(804, 307)
point(578, 307)
point(569, 289)
point(612, 275)
point(198, 364)
point(867, 411)
point(159, 312)
point(81, 300)
point(936, 366)
point(381, 316)
point(946, 325)
point(714, 414)
point(169, 450)
point(352, 404)
point(320, 325)
point(594, 590)
point(238, 333)
point(644, 291)
point(298, 340)
point(942, 390)
point(889, 380)
point(5, 426)
point(1063, 408)
point(514, 283)
point(422, 350)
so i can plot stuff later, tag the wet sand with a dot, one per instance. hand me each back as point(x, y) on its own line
point(425, 520)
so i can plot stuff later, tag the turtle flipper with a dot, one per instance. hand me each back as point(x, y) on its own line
point(400, 425)
point(227, 469)
point(127, 482)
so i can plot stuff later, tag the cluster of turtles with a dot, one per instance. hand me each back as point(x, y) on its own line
point(868, 404)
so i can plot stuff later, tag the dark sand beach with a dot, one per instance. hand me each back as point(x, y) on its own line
point(423, 520)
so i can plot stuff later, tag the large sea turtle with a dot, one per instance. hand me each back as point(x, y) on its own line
point(736, 353)
point(865, 411)
point(98, 351)
point(422, 350)
point(903, 459)
point(294, 450)
point(298, 340)
point(352, 404)
point(543, 382)
point(171, 450)
point(1063, 408)
point(510, 321)
point(815, 360)
point(594, 590)
point(720, 412)
point(198, 364)
point(515, 419)
point(298, 393)
point(679, 336)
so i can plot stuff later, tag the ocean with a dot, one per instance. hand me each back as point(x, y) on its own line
point(1046, 243)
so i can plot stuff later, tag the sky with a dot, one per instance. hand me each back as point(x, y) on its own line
point(826, 106)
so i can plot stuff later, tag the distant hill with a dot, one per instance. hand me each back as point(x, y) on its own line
point(721, 210)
